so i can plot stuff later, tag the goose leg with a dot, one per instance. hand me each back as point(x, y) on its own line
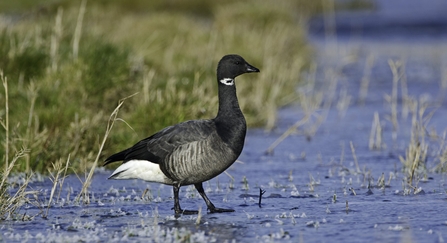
point(209, 204)
point(178, 210)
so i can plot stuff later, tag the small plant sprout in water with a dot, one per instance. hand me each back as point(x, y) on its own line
point(381, 181)
point(312, 183)
point(314, 224)
point(261, 192)
point(280, 222)
point(311, 187)
point(156, 215)
point(245, 185)
point(208, 188)
point(218, 187)
point(292, 217)
point(290, 177)
point(392, 176)
point(397, 70)
point(190, 192)
point(347, 207)
point(147, 194)
point(357, 168)
point(231, 183)
point(56, 179)
point(375, 137)
point(249, 216)
point(344, 100)
point(199, 215)
point(369, 192)
point(294, 191)
point(225, 198)
point(364, 84)
point(273, 184)
point(441, 167)
point(334, 198)
point(415, 159)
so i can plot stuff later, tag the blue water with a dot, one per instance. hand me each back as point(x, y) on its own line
point(311, 176)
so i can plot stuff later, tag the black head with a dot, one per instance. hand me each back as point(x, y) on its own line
point(231, 66)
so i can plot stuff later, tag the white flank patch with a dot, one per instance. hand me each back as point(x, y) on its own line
point(227, 81)
point(139, 169)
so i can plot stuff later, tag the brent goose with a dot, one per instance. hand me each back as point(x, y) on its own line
point(195, 151)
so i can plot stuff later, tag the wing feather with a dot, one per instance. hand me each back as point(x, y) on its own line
point(160, 145)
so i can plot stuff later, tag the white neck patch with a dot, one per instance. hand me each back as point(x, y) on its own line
point(227, 81)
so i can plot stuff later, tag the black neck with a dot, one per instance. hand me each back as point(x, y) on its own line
point(229, 120)
point(228, 103)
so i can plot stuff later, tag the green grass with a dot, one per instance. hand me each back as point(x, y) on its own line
point(60, 96)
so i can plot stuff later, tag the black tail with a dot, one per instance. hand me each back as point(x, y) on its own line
point(116, 157)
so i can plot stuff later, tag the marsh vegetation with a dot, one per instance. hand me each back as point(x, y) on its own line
point(67, 68)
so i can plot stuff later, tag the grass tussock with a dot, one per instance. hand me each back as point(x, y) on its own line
point(422, 142)
point(10, 203)
point(68, 65)
point(441, 167)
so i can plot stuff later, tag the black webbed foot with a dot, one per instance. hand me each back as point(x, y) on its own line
point(220, 210)
point(185, 212)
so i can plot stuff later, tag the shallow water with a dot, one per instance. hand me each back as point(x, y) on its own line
point(309, 179)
